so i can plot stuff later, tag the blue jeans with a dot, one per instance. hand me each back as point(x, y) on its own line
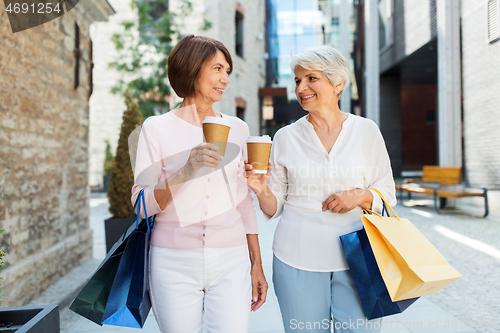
point(318, 301)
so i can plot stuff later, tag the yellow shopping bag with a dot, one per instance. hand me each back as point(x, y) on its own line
point(409, 264)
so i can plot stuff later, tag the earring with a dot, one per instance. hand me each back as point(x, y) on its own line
point(336, 91)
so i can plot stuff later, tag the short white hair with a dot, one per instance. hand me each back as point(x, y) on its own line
point(327, 59)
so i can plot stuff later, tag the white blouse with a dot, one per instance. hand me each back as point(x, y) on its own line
point(305, 174)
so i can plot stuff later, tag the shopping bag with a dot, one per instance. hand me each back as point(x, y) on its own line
point(369, 283)
point(128, 303)
point(91, 301)
point(410, 265)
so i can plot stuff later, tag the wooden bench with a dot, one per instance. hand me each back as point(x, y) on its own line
point(438, 181)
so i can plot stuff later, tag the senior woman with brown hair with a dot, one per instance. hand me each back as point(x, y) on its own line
point(205, 259)
point(322, 167)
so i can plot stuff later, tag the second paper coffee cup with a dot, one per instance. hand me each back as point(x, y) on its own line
point(216, 131)
point(259, 149)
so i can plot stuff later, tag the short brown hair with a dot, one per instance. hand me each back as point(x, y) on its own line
point(186, 60)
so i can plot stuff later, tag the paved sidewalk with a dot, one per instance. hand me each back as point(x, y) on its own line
point(471, 245)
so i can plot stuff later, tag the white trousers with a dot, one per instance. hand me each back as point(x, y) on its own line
point(189, 283)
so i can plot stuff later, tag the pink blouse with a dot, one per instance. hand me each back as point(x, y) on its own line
point(215, 209)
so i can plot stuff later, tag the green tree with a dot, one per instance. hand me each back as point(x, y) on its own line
point(122, 177)
point(148, 49)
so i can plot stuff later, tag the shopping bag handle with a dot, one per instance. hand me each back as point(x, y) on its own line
point(150, 224)
point(384, 209)
point(131, 214)
point(384, 203)
point(141, 196)
point(369, 211)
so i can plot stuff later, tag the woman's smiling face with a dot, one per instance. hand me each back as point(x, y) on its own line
point(313, 89)
point(213, 78)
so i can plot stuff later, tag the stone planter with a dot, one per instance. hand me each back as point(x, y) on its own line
point(114, 228)
point(32, 319)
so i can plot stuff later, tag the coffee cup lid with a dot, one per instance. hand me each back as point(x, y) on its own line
point(216, 120)
point(259, 139)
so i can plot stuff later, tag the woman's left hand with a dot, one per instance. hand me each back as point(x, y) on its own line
point(345, 201)
point(259, 286)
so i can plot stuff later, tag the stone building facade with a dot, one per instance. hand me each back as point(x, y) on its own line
point(481, 100)
point(44, 120)
point(240, 98)
point(106, 109)
point(408, 84)
point(439, 101)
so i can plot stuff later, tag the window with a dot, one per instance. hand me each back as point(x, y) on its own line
point(156, 8)
point(430, 117)
point(241, 106)
point(493, 20)
point(77, 54)
point(386, 14)
point(238, 25)
point(91, 68)
point(240, 113)
point(267, 108)
point(335, 32)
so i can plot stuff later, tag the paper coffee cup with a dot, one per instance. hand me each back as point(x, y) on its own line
point(259, 150)
point(216, 131)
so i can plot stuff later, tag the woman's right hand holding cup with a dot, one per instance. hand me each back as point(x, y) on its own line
point(258, 182)
point(203, 155)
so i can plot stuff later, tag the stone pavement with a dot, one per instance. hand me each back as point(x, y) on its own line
point(470, 304)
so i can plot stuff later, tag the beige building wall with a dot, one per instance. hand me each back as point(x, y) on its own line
point(106, 109)
point(44, 121)
point(481, 102)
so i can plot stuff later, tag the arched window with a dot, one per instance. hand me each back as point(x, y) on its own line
point(238, 26)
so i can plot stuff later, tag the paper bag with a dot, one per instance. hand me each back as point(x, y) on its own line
point(410, 265)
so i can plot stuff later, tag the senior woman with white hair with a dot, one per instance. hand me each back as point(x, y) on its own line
point(320, 172)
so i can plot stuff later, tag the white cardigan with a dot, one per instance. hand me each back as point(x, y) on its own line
point(305, 174)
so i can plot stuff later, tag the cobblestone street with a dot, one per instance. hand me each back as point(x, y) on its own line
point(472, 246)
point(470, 304)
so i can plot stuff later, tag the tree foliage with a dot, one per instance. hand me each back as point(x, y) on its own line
point(143, 55)
point(122, 177)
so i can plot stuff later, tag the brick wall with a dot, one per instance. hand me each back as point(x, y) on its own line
point(481, 98)
point(44, 152)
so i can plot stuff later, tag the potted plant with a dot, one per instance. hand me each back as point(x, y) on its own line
point(122, 177)
point(107, 166)
point(30, 319)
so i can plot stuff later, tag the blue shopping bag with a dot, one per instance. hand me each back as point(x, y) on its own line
point(367, 278)
point(128, 303)
point(92, 299)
